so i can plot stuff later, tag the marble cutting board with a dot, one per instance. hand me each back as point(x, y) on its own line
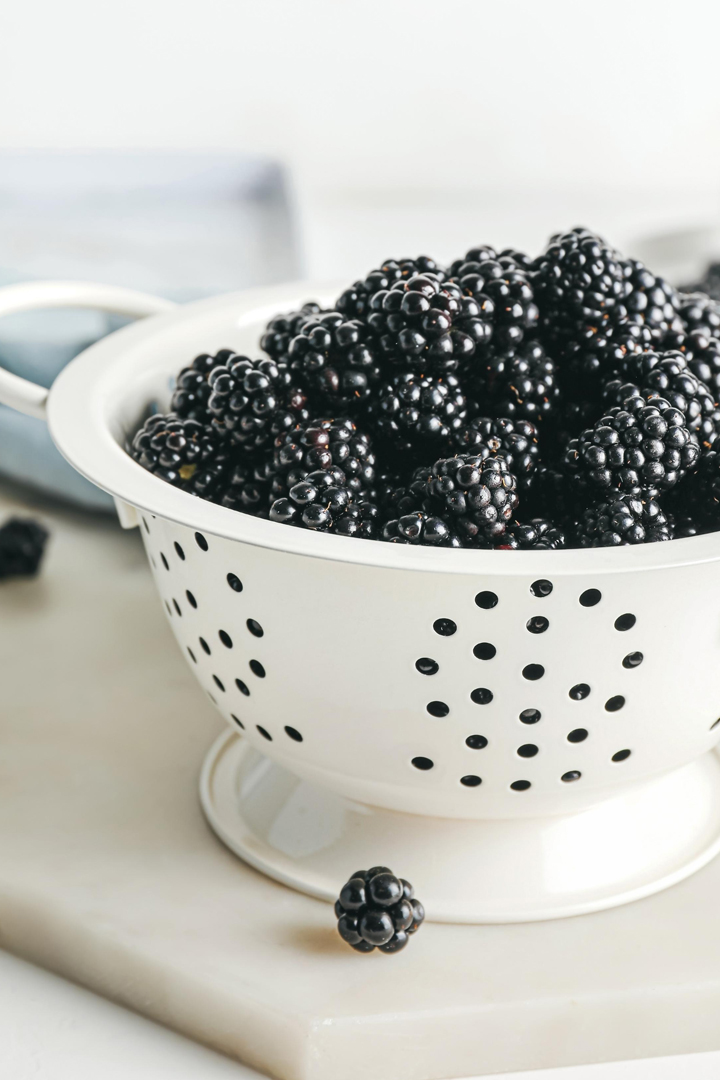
point(110, 876)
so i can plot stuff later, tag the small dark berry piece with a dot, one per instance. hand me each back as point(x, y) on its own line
point(22, 544)
point(376, 909)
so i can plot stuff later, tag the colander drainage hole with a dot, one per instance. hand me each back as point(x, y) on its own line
point(242, 687)
point(527, 750)
point(579, 692)
point(437, 708)
point(538, 624)
point(237, 721)
point(190, 598)
point(293, 733)
point(625, 622)
point(179, 550)
point(176, 606)
point(470, 780)
point(257, 669)
point(481, 696)
point(444, 627)
point(265, 734)
point(423, 763)
point(255, 628)
point(426, 666)
point(486, 600)
point(590, 597)
point(541, 587)
point(204, 644)
point(225, 638)
point(614, 704)
point(533, 672)
point(568, 777)
point(633, 660)
point(622, 755)
point(218, 683)
point(201, 541)
point(484, 650)
point(579, 734)
point(192, 655)
point(520, 785)
point(476, 742)
point(164, 561)
point(235, 583)
point(530, 716)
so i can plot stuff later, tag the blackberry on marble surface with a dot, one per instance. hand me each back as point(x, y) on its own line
point(253, 401)
point(192, 390)
point(623, 519)
point(281, 329)
point(22, 545)
point(638, 448)
point(580, 288)
point(376, 909)
point(354, 303)
point(336, 358)
point(414, 413)
point(323, 444)
point(178, 450)
point(515, 440)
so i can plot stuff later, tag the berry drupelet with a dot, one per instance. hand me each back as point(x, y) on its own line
point(281, 329)
point(253, 401)
point(192, 389)
point(376, 909)
point(638, 448)
point(323, 444)
point(22, 545)
point(335, 358)
point(623, 519)
point(185, 453)
point(415, 413)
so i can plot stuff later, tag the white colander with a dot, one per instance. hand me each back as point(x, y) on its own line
point(524, 735)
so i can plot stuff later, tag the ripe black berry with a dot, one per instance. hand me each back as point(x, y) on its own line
point(416, 413)
point(623, 519)
point(192, 390)
point(355, 302)
point(515, 440)
point(474, 496)
point(537, 534)
point(515, 382)
point(22, 544)
point(376, 909)
point(281, 329)
point(253, 401)
point(185, 453)
point(323, 444)
point(335, 357)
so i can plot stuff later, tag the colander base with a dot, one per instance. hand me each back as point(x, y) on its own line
point(643, 840)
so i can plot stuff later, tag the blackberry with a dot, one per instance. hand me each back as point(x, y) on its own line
point(518, 383)
point(580, 288)
point(507, 284)
point(183, 452)
point(247, 490)
point(416, 413)
point(702, 353)
point(700, 495)
point(515, 440)
point(699, 312)
point(376, 909)
point(22, 545)
point(323, 444)
point(253, 401)
point(192, 390)
point(651, 301)
point(474, 496)
point(361, 519)
point(429, 326)
point(335, 358)
point(623, 519)
point(638, 448)
point(419, 527)
point(537, 534)
point(354, 303)
point(316, 502)
point(472, 261)
point(281, 329)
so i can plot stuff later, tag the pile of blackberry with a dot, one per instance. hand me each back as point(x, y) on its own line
point(504, 400)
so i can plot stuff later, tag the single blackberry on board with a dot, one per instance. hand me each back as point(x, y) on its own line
point(192, 389)
point(323, 444)
point(336, 358)
point(520, 383)
point(281, 329)
point(537, 534)
point(376, 909)
point(699, 312)
point(183, 452)
point(354, 303)
point(515, 440)
point(623, 519)
point(638, 448)
point(414, 413)
point(651, 301)
point(580, 288)
point(253, 401)
point(22, 545)
point(475, 496)
point(427, 325)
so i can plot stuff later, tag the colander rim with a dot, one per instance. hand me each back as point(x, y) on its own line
point(80, 412)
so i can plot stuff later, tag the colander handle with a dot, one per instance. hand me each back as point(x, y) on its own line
point(27, 397)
